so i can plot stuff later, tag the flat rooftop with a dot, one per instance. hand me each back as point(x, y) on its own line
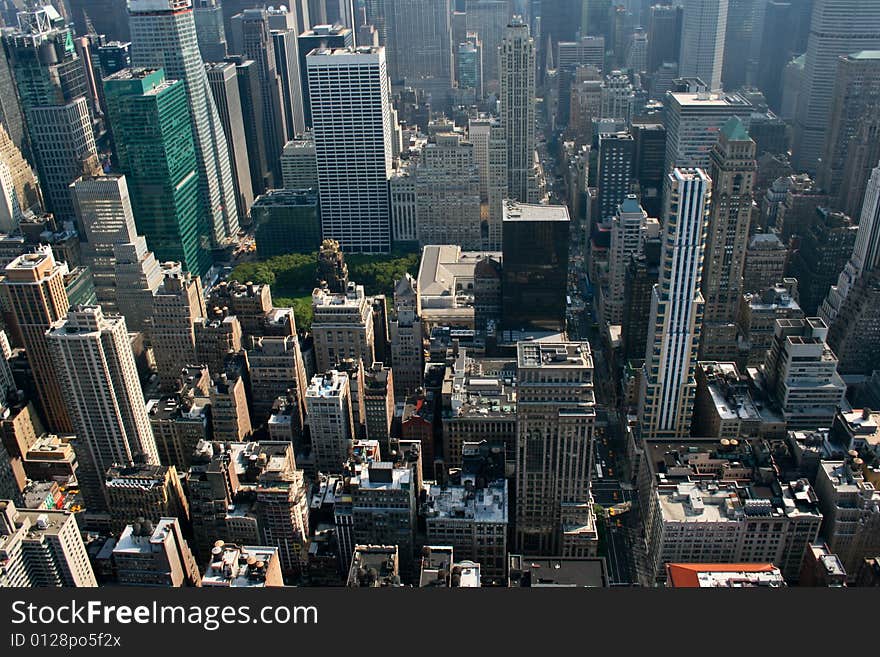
point(557, 572)
point(467, 503)
point(554, 354)
point(516, 211)
point(704, 99)
point(143, 538)
point(382, 476)
point(723, 575)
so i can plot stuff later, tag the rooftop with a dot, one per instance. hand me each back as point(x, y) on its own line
point(374, 566)
point(144, 538)
point(723, 575)
point(466, 502)
point(245, 566)
point(330, 384)
point(865, 54)
point(554, 354)
point(446, 271)
point(286, 198)
point(144, 477)
point(706, 99)
point(516, 211)
point(382, 476)
point(34, 522)
point(718, 501)
point(325, 53)
point(847, 479)
point(735, 130)
point(556, 572)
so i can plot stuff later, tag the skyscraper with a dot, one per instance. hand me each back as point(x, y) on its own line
point(99, 382)
point(825, 247)
point(775, 51)
point(328, 402)
point(35, 285)
point(627, 237)
point(223, 78)
point(42, 548)
point(616, 155)
point(560, 20)
point(11, 116)
point(352, 123)
point(469, 67)
point(108, 17)
point(163, 35)
point(664, 36)
point(285, 33)
point(448, 193)
point(733, 176)
point(556, 418)
point(702, 41)
point(210, 32)
point(517, 76)
point(125, 272)
point(692, 123)
point(487, 18)
point(419, 44)
point(650, 142)
point(668, 379)
point(282, 503)
point(52, 88)
point(178, 304)
point(855, 98)
point(837, 28)
point(320, 36)
point(407, 350)
point(535, 266)
point(20, 187)
point(248, 76)
point(741, 41)
point(155, 556)
point(156, 150)
point(342, 12)
point(253, 40)
point(850, 309)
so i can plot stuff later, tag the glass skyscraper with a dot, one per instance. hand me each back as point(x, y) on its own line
point(156, 150)
point(163, 35)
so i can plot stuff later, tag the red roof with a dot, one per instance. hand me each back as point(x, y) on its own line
point(685, 575)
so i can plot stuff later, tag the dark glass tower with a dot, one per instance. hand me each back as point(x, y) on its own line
point(535, 267)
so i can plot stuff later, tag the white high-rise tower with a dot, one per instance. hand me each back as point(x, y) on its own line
point(702, 41)
point(517, 74)
point(668, 380)
point(352, 123)
point(163, 35)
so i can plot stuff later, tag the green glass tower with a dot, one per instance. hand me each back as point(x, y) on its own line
point(152, 131)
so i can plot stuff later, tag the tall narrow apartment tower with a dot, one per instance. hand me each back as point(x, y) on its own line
point(34, 283)
point(517, 73)
point(668, 384)
point(733, 171)
point(100, 385)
